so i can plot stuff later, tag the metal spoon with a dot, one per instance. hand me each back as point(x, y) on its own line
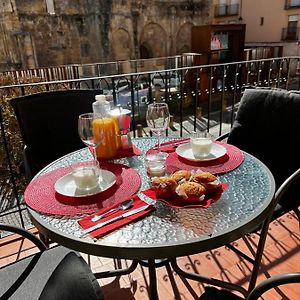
point(124, 205)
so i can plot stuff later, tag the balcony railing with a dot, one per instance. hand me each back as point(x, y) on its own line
point(290, 4)
point(224, 10)
point(203, 96)
point(290, 34)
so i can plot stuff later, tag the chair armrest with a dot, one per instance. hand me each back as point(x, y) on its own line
point(222, 137)
point(25, 233)
point(273, 281)
point(286, 185)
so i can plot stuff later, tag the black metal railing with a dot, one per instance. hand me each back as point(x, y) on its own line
point(214, 90)
point(224, 10)
point(290, 34)
point(76, 71)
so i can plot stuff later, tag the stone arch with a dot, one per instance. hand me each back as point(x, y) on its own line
point(153, 40)
point(183, 38)
point(121, 44)
point(145, 51)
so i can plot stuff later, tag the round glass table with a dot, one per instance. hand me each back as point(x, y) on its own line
point(170, 232)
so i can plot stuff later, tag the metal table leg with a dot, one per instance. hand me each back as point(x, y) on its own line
point(153, 282)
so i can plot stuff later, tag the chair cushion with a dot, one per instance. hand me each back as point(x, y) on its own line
point(57, 273)
point(267, 126)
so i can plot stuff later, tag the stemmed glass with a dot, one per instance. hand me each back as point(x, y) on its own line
point(90, 134)
point(158, 118)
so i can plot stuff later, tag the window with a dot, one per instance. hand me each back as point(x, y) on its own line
point(292, 27)
point(219, 40)
point(50, 7)
point(222, 8)
point(295, 3)
point(233, 8)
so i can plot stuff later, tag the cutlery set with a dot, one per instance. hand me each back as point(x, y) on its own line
point(122, 206)
point(124, 215)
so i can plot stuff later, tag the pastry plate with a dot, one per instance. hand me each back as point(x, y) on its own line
point(66, 185)
point(185, 151)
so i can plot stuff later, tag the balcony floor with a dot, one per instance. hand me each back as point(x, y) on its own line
point(282, 254)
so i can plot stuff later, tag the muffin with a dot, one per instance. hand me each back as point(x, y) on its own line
point(191, 190)
point(181, 175)
point(207, 179)
point(164, 186)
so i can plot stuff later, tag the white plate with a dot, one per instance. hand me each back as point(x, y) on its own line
point(66, 185)
point(185, 151)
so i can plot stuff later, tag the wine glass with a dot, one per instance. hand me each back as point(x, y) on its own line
point(90, 133)
point(158, 118)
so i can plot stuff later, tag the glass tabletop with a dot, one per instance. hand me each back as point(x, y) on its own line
point(171, 232)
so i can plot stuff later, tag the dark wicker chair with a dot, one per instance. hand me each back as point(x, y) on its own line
point(55, 273)
point(275, 281)
point(267, 125)
point(48, 124)
point(212, 293)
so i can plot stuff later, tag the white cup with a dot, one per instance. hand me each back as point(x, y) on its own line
point(201, 144)
point(86, 175)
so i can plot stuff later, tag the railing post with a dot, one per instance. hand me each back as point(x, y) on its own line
point(181, 102)
point(132, 104)
point(196, 108)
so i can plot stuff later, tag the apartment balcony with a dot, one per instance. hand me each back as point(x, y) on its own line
point(224, 10)
point(198, 97)
point(205, 95)
point(291, 4)
point(290, 34)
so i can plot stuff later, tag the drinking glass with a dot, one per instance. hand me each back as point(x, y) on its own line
point(90, 135)
point(158, 118)
point(201, 143)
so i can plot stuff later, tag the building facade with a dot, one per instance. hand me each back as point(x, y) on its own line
point(269, 24)
point(41, 33)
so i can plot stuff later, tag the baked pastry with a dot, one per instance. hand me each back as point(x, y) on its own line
point(179, 175)
point(191, 190)
point(164, 186)
point(207, 179)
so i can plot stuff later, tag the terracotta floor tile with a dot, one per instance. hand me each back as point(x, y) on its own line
point(281, 255)
point(132, 288)
point(285, 250)
point(177, 286)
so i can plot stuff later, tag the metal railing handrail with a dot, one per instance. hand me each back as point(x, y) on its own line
point(151, 72)
point(95, 64)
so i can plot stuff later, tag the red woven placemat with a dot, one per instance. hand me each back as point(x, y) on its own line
point(228, 162)
point(40, 194)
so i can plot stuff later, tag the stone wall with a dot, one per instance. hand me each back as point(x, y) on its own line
point(89, 31)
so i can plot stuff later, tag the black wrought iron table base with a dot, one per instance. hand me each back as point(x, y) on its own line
point(152, 264)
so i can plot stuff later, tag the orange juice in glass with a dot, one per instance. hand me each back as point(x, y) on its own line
point(105, 130)
point(117, 131)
